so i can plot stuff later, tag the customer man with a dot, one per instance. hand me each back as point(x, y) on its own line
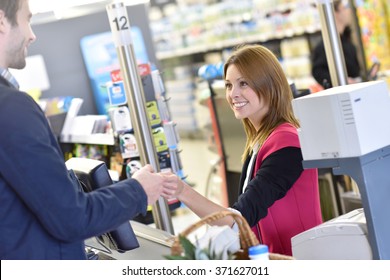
point(43, 215)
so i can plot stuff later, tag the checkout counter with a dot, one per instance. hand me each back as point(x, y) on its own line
point(154, 244)
point(130, 240)
point(343, 128)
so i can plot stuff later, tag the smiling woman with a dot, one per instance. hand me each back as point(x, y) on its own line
point(278, 198)
point(243, 99)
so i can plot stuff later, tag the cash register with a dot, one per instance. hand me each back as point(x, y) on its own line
point(346, 128)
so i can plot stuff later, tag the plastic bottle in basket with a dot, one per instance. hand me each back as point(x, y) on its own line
point(258, 252)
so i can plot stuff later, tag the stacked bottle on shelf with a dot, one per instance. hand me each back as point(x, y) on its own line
point(201, 28)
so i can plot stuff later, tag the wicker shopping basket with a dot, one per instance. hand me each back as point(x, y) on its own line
point(247, 237)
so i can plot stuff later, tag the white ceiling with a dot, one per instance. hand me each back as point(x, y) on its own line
point(51, 10)
point(39, 6)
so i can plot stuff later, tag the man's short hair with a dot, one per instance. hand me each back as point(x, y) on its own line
point(10, 9)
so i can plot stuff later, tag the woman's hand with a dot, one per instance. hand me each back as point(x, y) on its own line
point(173, 188)
point(156, 184)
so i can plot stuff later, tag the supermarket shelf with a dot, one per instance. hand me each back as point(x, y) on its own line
point(93, 139)
point(235, 41)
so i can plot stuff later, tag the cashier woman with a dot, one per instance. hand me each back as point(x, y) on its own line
point(278, 198)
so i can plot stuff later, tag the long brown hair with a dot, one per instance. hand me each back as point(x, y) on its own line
point(264, 74)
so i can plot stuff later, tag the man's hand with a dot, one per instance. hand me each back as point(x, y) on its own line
point(154, 183)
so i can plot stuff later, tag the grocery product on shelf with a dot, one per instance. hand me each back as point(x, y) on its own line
point(374, 22)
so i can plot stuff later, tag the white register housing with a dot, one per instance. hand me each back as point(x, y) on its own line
point(343, 238)
point(344, 121)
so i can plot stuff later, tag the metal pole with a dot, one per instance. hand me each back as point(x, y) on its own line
point(333, 47)
point(121, 30)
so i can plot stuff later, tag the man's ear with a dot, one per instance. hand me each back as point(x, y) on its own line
point(3, 22)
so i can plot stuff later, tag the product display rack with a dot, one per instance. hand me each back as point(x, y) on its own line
point(118, 147)
point(165, 137)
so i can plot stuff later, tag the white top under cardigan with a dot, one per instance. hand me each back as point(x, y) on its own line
point(248, 177)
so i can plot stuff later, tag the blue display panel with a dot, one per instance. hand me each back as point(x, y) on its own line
point(100, 58)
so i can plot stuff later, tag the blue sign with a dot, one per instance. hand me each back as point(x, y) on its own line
point(117, 94)
point(100, 58)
